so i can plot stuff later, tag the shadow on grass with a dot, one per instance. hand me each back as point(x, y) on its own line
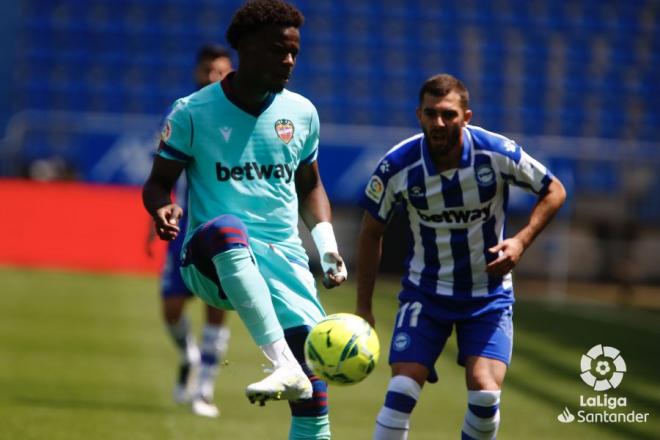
point(551, 369)
point(91, 405)
point(570, 327)
point(577, 333)
point(627, 431)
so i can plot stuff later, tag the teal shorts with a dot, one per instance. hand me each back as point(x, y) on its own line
point(291, 286)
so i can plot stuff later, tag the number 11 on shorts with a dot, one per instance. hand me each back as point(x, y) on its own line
point(415, 308)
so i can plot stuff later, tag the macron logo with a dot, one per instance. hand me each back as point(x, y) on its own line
point(253, 170)
point(226, 133)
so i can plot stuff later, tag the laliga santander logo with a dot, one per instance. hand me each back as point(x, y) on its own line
point(602, 367)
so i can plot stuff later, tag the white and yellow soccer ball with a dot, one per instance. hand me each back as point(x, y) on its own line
point(342, 349)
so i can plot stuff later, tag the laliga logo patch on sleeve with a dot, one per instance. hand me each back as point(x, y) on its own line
point(166, 132)
point(375, 189)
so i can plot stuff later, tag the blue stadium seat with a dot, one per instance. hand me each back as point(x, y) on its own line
point(357, 56)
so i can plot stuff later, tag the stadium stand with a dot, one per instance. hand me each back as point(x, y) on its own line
point(575, 81)
point(535, 69)
point(367, 59)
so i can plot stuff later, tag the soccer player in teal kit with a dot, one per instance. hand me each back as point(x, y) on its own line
point(249, 149)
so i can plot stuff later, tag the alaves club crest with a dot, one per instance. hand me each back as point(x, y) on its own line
point(284, 129)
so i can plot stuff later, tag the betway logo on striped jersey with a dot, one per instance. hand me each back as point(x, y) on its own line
point(254, 170)
point(457, 215)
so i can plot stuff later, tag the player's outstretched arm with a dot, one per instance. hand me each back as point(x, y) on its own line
point(156, 196)
point(314, 209)
point(511, 249)
point(368, 260)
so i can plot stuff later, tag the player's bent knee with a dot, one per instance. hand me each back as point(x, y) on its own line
point(415, 371)
point(221, 234)
point(484, 374)
point(172, 309)
point(482, 382)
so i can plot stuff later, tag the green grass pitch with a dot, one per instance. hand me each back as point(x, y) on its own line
point(85, 356)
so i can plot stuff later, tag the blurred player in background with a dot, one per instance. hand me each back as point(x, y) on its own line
point(249, 149)
point(213, 63)
point(453, 180)
point(199, 364)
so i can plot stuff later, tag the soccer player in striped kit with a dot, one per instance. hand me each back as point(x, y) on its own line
point(453, 181)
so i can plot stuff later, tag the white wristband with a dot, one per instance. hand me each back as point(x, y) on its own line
point(324, 238)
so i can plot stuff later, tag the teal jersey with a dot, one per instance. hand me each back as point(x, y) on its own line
point(244, 164)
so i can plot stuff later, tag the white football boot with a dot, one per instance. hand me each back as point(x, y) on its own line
point(203, 406)
point(202, 399)
point(287, 382)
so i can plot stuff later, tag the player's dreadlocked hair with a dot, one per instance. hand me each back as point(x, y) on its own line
point(258, 14)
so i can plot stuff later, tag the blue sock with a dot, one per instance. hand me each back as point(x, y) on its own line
point(393, 420)
point(213, 347)
point(482, 418)
point(309, 417)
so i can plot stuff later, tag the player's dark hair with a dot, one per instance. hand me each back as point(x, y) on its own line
point(441, 85)
point(257, 14)
point(210, 52)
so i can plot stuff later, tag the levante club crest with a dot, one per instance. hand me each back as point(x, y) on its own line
point(284, 129)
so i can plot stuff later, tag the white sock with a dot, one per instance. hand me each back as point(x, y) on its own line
point(215, 340)
point(482, 418)
point(184, 340)
point(393, 420)
point(280, 354)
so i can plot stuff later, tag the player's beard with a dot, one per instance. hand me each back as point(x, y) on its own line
point(442, 141)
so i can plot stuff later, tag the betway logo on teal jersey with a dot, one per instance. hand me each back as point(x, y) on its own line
point(254, 170)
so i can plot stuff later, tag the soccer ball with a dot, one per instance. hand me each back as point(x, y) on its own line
point(342, 349)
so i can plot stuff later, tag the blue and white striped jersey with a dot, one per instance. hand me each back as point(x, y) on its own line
point(454, 216)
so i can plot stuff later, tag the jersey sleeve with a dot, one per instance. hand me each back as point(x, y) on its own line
point(522, 170)
point(380, 195)
point(177, 134)
point(310, 149)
